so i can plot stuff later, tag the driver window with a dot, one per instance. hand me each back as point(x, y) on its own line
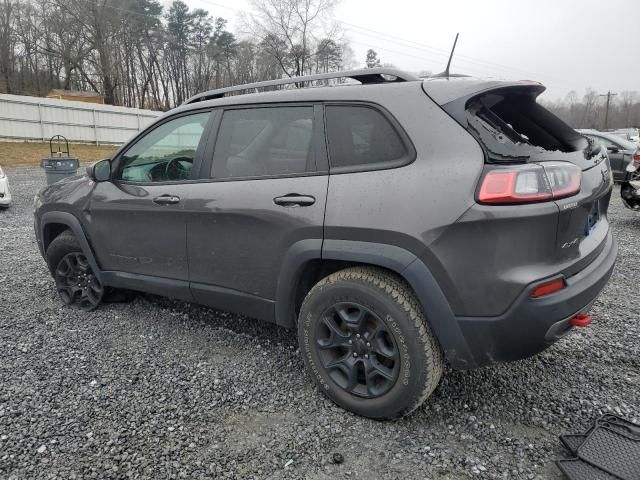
point(166, 153)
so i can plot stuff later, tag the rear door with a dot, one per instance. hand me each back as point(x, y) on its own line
point(263, 190)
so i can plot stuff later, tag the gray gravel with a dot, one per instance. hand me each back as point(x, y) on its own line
point(161, 389)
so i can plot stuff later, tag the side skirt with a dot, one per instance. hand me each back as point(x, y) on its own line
point(208, 295)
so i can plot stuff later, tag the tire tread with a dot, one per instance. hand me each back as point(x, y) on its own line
point(402, 294)
point(61, 245)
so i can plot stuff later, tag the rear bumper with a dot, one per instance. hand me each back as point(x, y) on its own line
point(530, 325)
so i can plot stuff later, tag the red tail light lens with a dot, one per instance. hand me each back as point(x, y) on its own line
point(636, 158)
point(529, 183)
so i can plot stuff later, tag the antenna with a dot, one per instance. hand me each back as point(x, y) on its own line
point(445, 74)
point(453, 49)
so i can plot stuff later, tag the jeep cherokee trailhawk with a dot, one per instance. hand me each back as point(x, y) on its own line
point(396, 223)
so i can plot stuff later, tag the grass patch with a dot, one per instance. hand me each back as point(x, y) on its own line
point(18, 153)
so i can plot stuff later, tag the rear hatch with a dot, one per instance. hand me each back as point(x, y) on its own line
point(544, 159)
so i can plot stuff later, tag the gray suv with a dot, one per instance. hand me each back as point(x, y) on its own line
point(396, 224)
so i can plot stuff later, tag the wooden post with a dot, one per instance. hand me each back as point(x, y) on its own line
point(40, 120)
point(95, 127)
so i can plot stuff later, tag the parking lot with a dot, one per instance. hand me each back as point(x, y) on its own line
point(164, 389)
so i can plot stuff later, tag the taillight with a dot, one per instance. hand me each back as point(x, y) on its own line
point(636, 159)
point(529, 183)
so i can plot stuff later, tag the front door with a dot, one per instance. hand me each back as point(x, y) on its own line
point(267, 191)
point(137, 220)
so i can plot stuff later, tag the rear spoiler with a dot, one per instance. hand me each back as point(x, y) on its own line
point(522, 132)
point(446, 90)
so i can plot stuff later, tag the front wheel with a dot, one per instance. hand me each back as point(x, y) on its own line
point(367, 344)
point(76, 282)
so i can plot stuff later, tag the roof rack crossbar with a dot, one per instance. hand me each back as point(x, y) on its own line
point(364, 76)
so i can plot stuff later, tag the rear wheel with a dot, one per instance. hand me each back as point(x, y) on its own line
point(367, 344)
point(76, 282)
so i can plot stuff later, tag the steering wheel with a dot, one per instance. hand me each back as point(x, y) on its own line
point(174, 170)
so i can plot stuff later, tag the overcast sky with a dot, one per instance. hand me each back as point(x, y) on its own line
point(565, 44)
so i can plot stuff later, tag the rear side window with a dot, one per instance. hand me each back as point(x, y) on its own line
point(360, 136)
point(255, 142)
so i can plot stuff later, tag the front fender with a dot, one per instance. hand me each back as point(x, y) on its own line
point(68, 219)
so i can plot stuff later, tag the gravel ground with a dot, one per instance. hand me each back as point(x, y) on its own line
point(161, 389)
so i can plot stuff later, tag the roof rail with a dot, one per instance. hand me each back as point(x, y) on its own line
point(364, 76)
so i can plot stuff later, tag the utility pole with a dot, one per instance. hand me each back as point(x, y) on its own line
point(606, 112)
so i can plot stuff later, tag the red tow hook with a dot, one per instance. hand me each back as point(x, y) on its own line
point(580, 320)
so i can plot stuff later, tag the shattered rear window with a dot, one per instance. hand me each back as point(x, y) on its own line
point(514, 127)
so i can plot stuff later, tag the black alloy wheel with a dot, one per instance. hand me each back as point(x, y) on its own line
point(367, 344)
point(76, 282)
point(357, 350)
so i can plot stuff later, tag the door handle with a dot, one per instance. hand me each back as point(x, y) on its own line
point(167, 200)
point(294, 200)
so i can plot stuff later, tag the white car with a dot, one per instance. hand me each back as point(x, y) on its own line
point(629, 134)
point(5, 194)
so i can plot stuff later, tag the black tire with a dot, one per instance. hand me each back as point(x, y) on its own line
point(369, 318)
point(76, 282)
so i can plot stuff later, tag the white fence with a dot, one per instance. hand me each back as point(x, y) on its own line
point(35, 118)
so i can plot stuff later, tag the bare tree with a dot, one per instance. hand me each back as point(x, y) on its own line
point(7, 41)
point(572, 102)
point(136, 53)
point(590, 111)
point(290, 30)
point(627, 101)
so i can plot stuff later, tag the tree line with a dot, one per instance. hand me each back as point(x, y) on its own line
point(590, 111)
point(136, 53)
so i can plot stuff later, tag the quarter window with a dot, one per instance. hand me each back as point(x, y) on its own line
point(166, 153)
point(360, 136)
point(254, 142)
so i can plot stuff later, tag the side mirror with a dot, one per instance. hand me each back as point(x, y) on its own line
point(613, 149)
point(100, 171)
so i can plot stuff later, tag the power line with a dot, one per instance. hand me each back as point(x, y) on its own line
point(466, 59)
point(486, 68)
point(422, 46)
point(402, 41)
point(472, 62)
